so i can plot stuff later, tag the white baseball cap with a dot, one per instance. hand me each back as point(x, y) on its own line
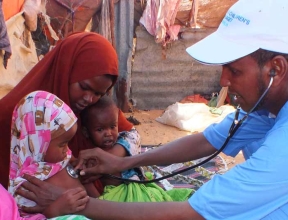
point(248, 25)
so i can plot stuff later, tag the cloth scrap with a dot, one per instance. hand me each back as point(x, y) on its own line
point(4, 39)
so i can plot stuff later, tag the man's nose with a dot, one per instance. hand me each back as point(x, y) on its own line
point(224, 79)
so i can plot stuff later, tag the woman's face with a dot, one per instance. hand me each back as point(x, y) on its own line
point(88, 92)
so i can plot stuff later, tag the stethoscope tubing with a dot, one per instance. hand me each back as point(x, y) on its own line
point(233, 128)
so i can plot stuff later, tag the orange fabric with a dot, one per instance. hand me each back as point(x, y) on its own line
point(11, 8)
point(80, 56)
point(194, 98)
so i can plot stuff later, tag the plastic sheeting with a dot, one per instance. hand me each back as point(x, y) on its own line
point(159, 17)
point(23, 54)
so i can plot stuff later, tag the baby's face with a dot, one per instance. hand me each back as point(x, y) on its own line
point(58, 147)
point(103, 128)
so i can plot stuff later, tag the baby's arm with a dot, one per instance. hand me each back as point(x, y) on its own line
point(117, 150)
point(91, 190)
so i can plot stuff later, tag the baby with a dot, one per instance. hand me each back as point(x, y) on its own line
point(100, 122)
point(42, 125)
point(100, 125)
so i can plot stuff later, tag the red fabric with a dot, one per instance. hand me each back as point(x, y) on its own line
point(80, 56)
point(99, 186)
point(123, 123)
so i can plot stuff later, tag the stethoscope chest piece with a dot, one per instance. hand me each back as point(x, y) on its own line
point(70, 170)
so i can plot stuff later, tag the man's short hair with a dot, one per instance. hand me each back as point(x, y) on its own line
point(263, 56)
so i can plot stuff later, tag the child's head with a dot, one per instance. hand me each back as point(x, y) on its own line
point(58, 146)
point(42, 126)
point(100, 122)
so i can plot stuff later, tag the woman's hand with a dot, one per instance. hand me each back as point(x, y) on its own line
point(71, 201)
point(42, 193)
point(96, 161)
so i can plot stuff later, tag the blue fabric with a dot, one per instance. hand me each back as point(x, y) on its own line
point(127, 173)
point(248, 137)
point(257, 188)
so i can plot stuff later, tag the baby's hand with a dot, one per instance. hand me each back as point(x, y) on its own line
point(71, 201)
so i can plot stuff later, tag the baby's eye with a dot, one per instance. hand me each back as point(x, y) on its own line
point(63, 144)
point(99, 129)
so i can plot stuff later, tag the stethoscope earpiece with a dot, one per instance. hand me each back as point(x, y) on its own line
point(272, 73)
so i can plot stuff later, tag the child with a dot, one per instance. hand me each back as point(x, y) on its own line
point(100, 126)
point(42, 125)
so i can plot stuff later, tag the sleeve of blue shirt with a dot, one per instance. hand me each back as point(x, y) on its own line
point(254, 128)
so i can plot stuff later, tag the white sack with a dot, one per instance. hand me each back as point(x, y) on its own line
point(193, 117)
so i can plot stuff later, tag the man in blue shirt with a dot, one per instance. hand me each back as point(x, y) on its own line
point(251, 44)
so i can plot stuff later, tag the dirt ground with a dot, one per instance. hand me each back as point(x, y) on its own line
point(155, 133)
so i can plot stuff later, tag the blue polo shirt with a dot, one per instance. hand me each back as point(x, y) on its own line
point(257, 188)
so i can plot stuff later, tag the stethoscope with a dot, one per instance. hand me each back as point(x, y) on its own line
point(233, 128)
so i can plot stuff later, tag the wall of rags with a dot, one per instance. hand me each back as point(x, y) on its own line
point(163, 77)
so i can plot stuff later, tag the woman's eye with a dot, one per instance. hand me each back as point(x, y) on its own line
point(98, 94)
point(82, 87)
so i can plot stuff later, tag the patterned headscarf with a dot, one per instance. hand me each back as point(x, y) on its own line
point(37, 119)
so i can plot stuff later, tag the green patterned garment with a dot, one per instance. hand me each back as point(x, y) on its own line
point(149, 192)
point(70, 217)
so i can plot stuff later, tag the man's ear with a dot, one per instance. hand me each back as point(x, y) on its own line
point(85, 132)
point(279, 67)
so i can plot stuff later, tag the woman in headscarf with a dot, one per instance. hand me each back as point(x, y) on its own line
point(79, 70)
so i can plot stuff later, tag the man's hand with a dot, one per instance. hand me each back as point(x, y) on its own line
point(96, 161)
point(42, 193)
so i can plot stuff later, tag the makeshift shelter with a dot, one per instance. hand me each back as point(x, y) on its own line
point(34, 26)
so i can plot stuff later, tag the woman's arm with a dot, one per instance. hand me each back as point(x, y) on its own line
point(71, 201)
point(57, 187)
point(42, 193)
